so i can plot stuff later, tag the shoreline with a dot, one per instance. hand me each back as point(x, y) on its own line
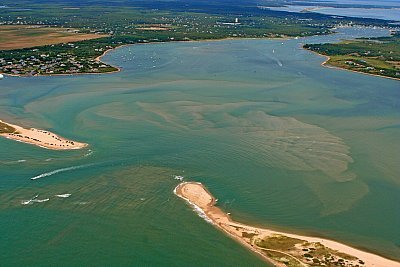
point(325, 64)
point(37, 137)
point(118, 69)
point(261, 240)
point(98, 58)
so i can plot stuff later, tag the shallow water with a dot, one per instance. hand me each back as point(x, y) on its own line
point(280, 140)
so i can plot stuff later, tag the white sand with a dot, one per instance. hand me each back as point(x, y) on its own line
point(41, 138)
point(198, 195)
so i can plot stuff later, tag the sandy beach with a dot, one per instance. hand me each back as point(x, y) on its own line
point(41, 138)
point(279, 248)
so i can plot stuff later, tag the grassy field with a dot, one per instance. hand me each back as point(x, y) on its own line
point(128, 22)
point(23, 36)
point(377, 56)
point(295, 252)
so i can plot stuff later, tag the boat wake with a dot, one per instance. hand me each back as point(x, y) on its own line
point(13, 162)
point(90, 152)
point(41, 200)
point(34, 200)
point(26, 202)
point(278, 62)
point(60, 170)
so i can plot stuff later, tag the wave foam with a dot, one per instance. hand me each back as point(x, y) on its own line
point(196, 208)
point(34, 199)
point(90, 152)
point(46, 174)
point(41, 200)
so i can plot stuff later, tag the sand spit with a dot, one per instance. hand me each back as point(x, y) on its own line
point(41, 138)
point(279, 248)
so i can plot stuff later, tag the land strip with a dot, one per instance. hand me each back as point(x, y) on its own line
point(279, 248)
point(41, 138)
point(375, 56)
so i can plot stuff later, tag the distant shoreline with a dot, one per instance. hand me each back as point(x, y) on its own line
point(330, 66)
point(118, 69)
point(255, 238)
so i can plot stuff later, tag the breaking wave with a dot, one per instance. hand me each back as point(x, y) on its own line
point(196, 208)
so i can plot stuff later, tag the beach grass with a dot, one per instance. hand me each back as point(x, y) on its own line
point(5, 128)
point(282, 258)
point(278, 242)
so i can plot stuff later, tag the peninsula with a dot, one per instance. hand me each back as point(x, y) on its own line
point(374, 56)
point(278, 248)
point(41, 138)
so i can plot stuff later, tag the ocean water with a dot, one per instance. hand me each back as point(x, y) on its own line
point(378, 11)
point(281, 141)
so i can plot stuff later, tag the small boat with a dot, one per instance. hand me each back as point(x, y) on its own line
point(178, 177)
point(63, 195)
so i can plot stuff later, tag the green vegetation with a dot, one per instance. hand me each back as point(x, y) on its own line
point(248, 235)
point(282, 258)
point(279, 242)
point(286, 249)
point(378, 56)
point(5, 128)
point(320, 251)
point(78, 57)
point(125, 22)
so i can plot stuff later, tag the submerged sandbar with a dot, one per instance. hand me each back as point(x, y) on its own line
point(38, 137)
point(279, 248)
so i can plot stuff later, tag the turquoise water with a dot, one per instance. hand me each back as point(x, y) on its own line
point(280, 140)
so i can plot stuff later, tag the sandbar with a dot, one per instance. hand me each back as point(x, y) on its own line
point(278, 248)
point(41, 138)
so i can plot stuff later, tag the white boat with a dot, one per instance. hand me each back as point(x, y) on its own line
point(178, 177)
point(63, 195)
